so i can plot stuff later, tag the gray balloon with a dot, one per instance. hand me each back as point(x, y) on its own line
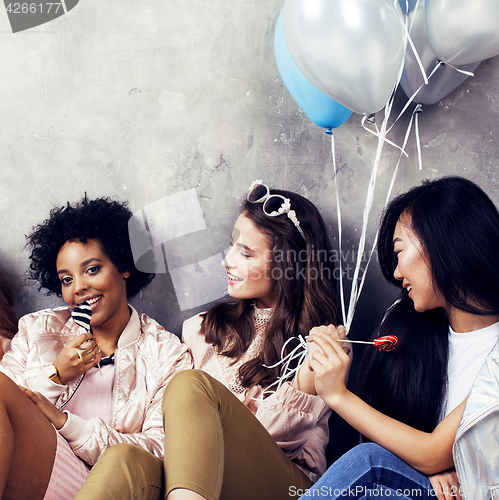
point(443, 81)
point(463, 31)
point(352, 50)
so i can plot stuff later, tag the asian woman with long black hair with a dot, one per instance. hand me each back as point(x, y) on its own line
point(438, 244)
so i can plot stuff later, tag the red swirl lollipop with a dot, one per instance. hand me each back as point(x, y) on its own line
point(383, 344)
point(387, 343)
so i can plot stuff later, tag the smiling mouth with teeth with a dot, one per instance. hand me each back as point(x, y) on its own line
point(233, 278)
point(94, 300)
point(409, 288)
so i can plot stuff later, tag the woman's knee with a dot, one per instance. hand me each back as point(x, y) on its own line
point(10, 393)
point(186, 378)
point(185, 387)
point(368, 454)
point(6, 383)
point(124, 471)
point(123, 453)
point(370, 450)
point(128, 460)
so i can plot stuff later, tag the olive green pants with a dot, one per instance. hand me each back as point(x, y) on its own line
point(213, 445)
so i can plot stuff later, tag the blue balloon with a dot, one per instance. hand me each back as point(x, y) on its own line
point(410, 5)
point(320, 108)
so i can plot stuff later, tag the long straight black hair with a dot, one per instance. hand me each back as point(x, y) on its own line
point(458, 227)
point(304, 285)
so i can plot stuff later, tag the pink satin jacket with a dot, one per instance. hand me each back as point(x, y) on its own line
point(146, 359)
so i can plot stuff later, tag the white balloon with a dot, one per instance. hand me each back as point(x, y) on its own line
point(352, 50)
point(444, 80)
point(463, 31)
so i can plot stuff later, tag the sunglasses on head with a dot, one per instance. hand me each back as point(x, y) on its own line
point(273, 204)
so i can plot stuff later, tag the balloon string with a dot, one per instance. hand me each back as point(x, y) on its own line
point(413, 96)
point(299, 353)
point(414, 10)
point(438, 65)
point(463, 71)
point(415, 117)
point(356, 286)
point(417, 110)
point(388, 195)
point(340, 231)
point(406, 138)
point(376, 134)
point(354, 292)
point(411, 43)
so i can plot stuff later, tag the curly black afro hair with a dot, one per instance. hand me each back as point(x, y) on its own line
point(102, 219)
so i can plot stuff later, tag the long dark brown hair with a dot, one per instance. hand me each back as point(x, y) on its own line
point(8, 316)
point(303, 272)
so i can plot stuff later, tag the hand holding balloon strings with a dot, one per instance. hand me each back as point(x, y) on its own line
point(330, 365)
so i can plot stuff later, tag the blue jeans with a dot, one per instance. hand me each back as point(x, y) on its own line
point(368, 471)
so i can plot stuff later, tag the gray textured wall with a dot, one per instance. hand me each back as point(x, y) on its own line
point(140, 100)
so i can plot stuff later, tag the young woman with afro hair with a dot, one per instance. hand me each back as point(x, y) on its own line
point(66, 395)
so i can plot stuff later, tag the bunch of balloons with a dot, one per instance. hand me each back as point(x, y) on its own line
point(339, 56)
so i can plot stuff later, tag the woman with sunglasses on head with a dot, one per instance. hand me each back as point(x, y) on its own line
point(225, 438)
point(87, 395)
point(438, 243)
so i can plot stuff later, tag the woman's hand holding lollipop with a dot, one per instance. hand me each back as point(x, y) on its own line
point(330, 363)
point(305, 379)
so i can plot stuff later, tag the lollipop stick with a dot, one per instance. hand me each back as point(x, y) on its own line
point(355, 341)
point(383, 344)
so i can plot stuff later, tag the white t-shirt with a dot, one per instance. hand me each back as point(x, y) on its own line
point(467, 353)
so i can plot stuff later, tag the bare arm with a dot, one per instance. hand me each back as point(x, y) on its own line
point(427, 452)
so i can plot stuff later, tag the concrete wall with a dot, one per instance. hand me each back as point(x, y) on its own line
point(139, 100)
